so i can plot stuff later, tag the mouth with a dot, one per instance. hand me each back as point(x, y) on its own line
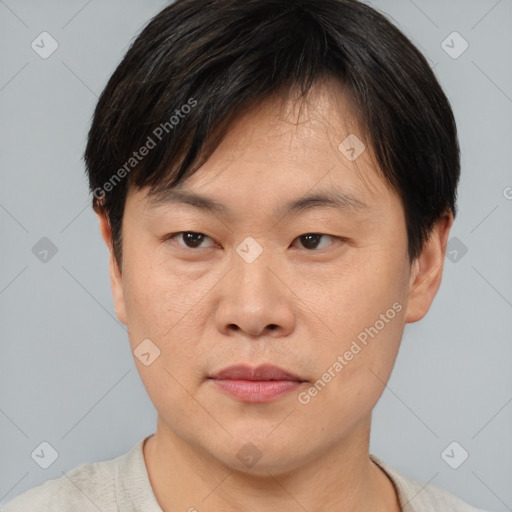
point(257, 385)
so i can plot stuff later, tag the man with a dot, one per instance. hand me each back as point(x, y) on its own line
point(276, 182)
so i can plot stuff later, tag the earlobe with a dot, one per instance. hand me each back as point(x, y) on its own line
point(427, 270)
point(116, 279)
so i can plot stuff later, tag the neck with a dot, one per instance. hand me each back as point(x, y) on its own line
point(184, 477)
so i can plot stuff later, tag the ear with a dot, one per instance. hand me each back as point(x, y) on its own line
point(427, 270)
point(116, 279)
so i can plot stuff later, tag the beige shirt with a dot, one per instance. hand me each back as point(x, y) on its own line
point(122, 485)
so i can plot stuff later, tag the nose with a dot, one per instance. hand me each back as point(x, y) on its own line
point(255, 300)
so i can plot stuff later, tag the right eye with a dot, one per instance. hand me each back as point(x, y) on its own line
point(191, 239)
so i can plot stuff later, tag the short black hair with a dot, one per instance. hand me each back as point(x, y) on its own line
point(199, 64)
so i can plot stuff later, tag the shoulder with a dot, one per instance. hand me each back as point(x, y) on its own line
point(416, 496)
point(88, 488)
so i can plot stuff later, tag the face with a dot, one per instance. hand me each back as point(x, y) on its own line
point(320, 288)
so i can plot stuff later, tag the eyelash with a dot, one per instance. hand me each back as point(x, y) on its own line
point(175, 235)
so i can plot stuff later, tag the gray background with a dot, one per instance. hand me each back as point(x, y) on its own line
point(66, 374)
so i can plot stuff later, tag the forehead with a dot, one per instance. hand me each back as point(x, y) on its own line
point(287, 149)
point(294, 124)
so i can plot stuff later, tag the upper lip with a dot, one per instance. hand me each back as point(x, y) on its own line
point(262, 372)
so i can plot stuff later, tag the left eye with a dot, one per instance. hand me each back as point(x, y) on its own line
point(311, 240)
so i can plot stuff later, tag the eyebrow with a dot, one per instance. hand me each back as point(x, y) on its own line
point(335, 199)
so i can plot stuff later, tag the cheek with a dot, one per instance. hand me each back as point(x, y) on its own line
point(151, 290)
point(355, 295)
point(362, 311)
point(168, 307)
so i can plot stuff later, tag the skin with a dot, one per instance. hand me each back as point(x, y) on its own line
point(299, 306)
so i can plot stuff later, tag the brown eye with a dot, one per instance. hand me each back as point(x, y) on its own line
point(191, 239)
point(311, 241)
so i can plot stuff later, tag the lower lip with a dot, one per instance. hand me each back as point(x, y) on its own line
point(256, 391)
